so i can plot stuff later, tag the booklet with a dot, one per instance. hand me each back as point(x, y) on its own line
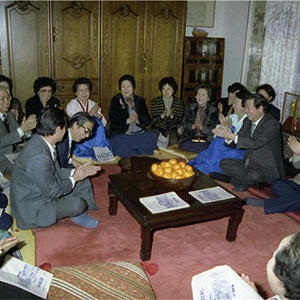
point(25, 276)
point(211, 195)
point(164, 202)
point(103, 154)
point(221, 282)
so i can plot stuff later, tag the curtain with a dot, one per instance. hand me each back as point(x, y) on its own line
point(282, 35)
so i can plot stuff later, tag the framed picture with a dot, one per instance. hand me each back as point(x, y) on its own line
point(290, 114)
point(200, 13)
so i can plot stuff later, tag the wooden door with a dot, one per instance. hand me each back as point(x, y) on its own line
point(76, 47)
point(122, 46)
point(164, 40)
point(24, 39)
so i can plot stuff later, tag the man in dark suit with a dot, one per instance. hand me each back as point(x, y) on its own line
point(81, 126)
point(41, 192)
point(11, 133)
point(260, 135)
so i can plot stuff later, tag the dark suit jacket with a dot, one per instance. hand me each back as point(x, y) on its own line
point(7, 140)
point(264, 149)
point(118, 113)
point(210, 120)
point(63, 150)
point(36, 183)
point(34, 106)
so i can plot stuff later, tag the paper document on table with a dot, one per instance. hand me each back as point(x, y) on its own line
point(12, 157)
point(211, 195)
point(221, 282)
point(103, 154)
point(25, 276)
point(164, 202)
point(162, 141)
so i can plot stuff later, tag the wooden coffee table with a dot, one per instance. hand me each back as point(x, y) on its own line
point(128, 188)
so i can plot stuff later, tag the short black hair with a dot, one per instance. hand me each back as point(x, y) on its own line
point(127, 77)
point(269, 90)
point(81, 80)
point(208, 88)
point(170, 81)
point(8, 80)
point(235, 87)
point(259, 100)
point(287, 267)
point(49, 120)
point(80, 118)
point(42, 82)
point(243, 95)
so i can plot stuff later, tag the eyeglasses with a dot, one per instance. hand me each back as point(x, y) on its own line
point(4, 98)
point(87, 130)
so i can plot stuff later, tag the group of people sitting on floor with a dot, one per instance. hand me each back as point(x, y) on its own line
point(238, 139)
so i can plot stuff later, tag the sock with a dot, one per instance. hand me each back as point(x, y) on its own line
point(254, 202)
point(85, 221)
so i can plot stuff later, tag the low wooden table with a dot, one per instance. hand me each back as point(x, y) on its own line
point(128, 188)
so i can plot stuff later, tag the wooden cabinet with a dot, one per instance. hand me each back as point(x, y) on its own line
point(203, 63)
point(101, 40)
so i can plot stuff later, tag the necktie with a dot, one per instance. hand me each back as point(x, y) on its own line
point(246, 162)
point(5, 121)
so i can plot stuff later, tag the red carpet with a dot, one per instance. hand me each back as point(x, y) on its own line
point(180, 253)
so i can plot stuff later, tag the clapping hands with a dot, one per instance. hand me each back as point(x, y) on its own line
point(294, 145)
point(28, 124)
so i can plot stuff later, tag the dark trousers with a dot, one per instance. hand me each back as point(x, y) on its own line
point(288, 197)
point(241, 177)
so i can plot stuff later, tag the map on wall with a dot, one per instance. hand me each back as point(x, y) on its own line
point(200, 13)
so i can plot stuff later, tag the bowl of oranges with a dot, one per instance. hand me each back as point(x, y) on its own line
point(177, 175)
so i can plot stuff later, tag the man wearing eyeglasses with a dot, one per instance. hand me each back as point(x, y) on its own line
point(11, 133)
point(81, 126)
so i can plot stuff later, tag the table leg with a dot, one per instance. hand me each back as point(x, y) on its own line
point(146, 235)
point(113, 201)
point(233, 224)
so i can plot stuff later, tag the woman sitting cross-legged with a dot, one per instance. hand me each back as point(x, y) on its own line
point(167, 110)
point(209, 160)
point(200, 118)
point(128, 116)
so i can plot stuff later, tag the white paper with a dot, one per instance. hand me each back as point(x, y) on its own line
point(221, 283)
point(25, 276)
point(211, 195)
point(4, 185)
point(12, 157)
point(164, 202)
point(103, 154)
point(162, 141)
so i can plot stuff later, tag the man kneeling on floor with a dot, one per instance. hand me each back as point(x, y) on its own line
point(260, 136)
point(41, 192)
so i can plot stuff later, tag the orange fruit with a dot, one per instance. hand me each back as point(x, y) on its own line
point(188, 168)
point(177, 166)
point(154, 167)
point(173, 161)
point(188, 174)
point(174, 174)
point(159, 172)
point(165, 164)
point(178, 177)
point(168, 170)
point(182, 164)
point(167, 175)
point(179, 171)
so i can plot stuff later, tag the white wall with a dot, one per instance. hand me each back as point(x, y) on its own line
point(230, 23)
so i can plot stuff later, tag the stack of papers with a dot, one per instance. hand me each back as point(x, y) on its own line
point(211, 195)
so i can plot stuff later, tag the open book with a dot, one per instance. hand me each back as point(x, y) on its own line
point(222, 282)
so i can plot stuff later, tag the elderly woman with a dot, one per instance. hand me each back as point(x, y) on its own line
point(44, 89)
point(268, 92)
point(200, 118)
point(82, 88)
point(167, 110)
point(128, 116)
